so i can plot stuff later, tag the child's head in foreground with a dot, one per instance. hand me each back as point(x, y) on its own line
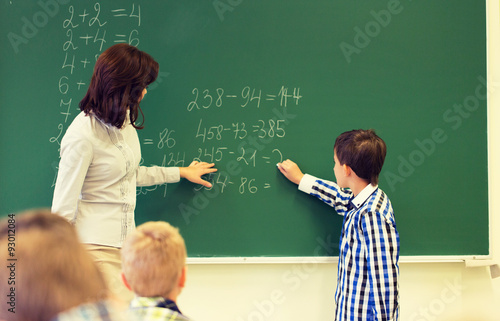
point(154, 260)
point(52, 271)
point(363, 151)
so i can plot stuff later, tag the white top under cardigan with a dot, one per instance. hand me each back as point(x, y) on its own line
point(98, 174)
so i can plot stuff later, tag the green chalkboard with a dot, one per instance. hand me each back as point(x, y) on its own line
point(246, 84)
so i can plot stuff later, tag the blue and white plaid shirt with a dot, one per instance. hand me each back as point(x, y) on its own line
point(368, 270)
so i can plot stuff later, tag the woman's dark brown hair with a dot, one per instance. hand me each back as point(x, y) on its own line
point(121, 73)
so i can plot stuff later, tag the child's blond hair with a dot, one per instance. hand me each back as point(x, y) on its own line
point(153, 257)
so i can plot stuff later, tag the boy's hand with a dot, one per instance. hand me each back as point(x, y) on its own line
point(291, 171)
point(196, 170)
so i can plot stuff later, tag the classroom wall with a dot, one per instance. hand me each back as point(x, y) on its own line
point(304, 291)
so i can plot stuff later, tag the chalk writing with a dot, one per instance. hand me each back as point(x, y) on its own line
point(248, 96)
point(255, 139)
point(88, 29)
point(250, 144)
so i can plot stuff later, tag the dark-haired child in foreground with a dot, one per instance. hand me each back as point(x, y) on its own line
point(368, 270)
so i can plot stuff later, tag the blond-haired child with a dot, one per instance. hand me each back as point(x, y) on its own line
point(154, 268)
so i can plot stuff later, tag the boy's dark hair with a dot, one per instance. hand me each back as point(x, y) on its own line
point(120, 75)
point(363, 151)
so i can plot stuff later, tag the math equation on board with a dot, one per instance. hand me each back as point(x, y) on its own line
point(215, 141)
point(88, 28)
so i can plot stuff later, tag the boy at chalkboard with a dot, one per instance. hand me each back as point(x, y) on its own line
point(368, 270)
point(154, 268)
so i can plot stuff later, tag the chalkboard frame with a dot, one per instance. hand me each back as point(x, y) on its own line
point(211, 26)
